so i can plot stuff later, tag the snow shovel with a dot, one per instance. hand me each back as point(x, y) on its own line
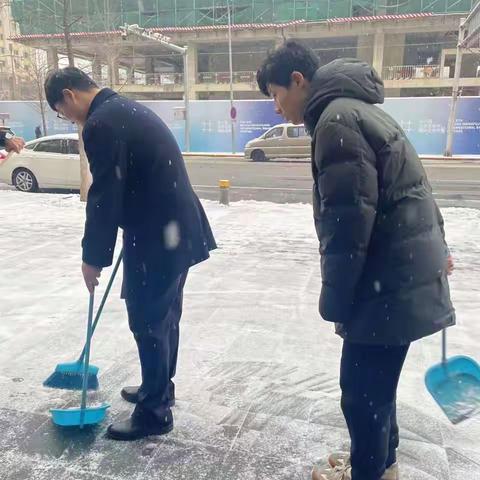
point(455, 385)
point(69, 376)
point(83, 415)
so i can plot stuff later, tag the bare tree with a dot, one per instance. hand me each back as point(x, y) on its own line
point(37, 69)
point(85, 175)
point(66, 26)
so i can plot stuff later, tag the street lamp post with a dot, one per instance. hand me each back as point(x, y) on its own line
point(468, 33)
point(186, 99)
point(230, 60)
point(455, 93)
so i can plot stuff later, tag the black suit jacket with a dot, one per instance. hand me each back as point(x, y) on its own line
point(140, 184)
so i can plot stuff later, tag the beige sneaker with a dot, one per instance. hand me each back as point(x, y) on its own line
point(343, 459)
point(336, 473)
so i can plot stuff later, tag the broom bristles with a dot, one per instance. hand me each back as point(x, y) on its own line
point(71, 381)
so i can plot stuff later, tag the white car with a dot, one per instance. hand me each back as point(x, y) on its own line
point(47, 162)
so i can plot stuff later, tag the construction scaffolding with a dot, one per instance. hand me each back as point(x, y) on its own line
point(45, 16)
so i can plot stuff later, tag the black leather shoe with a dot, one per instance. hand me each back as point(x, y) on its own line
point(140, 426)
point(130, 394)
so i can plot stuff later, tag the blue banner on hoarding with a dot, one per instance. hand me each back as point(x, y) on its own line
point(424, 119)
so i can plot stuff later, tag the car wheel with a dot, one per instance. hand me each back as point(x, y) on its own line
point(24, 180)
point(258, 156)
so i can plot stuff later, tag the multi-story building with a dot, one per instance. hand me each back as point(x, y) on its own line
point(15, 59)
point(411, 43)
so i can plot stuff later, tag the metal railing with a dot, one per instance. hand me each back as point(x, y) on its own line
point(414, 72)
point(162, 79)
point(224, 77)
point(176, 79)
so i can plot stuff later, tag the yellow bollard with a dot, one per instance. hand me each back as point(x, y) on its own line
point(224, 191)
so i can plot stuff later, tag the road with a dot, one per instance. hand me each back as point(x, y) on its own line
point(454, 184)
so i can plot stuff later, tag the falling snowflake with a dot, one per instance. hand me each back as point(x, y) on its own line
point(171, 234)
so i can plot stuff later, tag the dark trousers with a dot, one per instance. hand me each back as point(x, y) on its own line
point(369, 377)
point(155, 324)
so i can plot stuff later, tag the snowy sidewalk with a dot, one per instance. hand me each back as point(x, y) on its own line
point(257, 381)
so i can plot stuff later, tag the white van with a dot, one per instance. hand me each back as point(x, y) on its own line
point(281, 141)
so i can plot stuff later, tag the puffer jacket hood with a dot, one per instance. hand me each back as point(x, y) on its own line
point(348, 78)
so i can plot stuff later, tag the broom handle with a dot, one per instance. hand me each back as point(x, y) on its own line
point(104, 299)
point(87, 360)
point(444, 346)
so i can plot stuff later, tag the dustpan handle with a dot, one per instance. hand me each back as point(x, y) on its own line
point(87, 359)
point(104, 299)
point(444, 346)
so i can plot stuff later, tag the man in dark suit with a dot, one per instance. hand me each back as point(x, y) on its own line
point(140, 184)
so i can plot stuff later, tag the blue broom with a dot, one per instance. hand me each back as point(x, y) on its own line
point(82, 416)
point(69, 376)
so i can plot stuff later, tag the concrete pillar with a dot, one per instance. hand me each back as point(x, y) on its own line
point(52, 58)
point(131, 74)
point(394, 50)
point(97, 70)
point(444, 72)
point(279, 41)
point(378, 52)
point(365, 48)
point(149, 70)
point(192, 61)
point(113, 75)
point(394, 56)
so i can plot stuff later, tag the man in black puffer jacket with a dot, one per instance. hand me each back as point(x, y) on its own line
point(384, 259)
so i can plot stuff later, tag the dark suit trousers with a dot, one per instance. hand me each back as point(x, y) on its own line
point(155, 325)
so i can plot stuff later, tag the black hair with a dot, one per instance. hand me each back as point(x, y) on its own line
point(70, 78)
point(280, 64)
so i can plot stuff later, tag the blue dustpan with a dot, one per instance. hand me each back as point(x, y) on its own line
point(73, 416)
point(82, 416)
point(455, 385)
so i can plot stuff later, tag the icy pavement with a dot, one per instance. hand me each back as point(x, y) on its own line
point(257, 381)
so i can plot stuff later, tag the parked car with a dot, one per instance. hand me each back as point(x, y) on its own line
point(282, 141)
point(47, 162)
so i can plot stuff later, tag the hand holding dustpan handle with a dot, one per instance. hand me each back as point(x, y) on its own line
point(87, 360)
point(104, 299)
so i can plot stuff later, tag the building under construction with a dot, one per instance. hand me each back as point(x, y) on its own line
point(44, 16)
point(410, 42)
